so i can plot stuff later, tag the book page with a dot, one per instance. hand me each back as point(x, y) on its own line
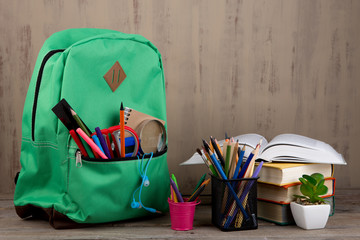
point(293, 153)
point(294, 139)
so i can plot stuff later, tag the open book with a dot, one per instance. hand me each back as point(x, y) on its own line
point(284, 148)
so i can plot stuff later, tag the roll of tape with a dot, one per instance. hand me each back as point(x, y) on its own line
point(152, 134)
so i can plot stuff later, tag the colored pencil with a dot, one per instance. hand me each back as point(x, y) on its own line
point(232, 191)
point(207, 161)
point(202, 179)
point(198, 191)
point(239, 163)
point(218, 151)
point(80, 123)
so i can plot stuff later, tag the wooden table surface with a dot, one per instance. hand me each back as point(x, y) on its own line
point(345, 224)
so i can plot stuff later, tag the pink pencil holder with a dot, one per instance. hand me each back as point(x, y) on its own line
point(182, 214)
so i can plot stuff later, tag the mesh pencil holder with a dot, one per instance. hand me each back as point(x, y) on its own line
point(227, 215)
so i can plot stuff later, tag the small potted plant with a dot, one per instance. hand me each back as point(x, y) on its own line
point(310, 211)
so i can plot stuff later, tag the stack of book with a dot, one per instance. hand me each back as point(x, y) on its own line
point(288, 157)
point(278, 183)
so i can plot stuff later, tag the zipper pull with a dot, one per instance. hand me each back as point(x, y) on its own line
point(78, 159)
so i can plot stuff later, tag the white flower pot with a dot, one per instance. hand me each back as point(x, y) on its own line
point(310, 216)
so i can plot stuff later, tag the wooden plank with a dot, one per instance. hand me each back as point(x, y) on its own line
point(342, 225)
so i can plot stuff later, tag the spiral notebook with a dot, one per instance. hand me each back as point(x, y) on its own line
point(134, 118)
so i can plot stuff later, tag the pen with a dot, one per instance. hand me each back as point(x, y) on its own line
point(122, 131)
point(102, 142)
point(91, 143)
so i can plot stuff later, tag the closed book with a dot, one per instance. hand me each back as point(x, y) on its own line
point(285, 193)
point(280, 213)
point(286, 173)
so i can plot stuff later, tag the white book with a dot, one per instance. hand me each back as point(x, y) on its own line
point(284, 148)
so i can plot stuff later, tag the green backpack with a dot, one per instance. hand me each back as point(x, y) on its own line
point(55, 182)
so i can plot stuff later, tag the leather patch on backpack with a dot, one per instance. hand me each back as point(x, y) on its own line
point(115, 76)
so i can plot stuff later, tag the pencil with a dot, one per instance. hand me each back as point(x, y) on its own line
point(234, 159)
point(80, 122)
point(122, 131)
point(202, 179)
point(198, 190)
point(211, 164)
point(206, 161)
point(218, 151)
point(227, 159)
point(202, 157)
point(246, 172)
point(240, 162)
point(231, 189)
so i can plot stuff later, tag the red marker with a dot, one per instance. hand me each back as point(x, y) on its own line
point(78, 142)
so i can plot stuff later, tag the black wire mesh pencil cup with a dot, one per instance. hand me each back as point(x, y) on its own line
point(234, 203)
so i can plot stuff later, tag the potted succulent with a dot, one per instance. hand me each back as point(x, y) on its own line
point(310, 211)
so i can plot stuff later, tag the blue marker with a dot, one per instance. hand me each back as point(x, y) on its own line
point(97, 142)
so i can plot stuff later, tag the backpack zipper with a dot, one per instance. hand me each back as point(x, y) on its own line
point(37, 87)
point(78, 159)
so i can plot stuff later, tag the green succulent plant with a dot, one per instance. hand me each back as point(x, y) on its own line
point(312, 188)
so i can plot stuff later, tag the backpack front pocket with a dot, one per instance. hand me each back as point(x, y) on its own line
point(103, 191)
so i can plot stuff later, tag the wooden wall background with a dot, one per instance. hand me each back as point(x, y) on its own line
point(267, 67)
